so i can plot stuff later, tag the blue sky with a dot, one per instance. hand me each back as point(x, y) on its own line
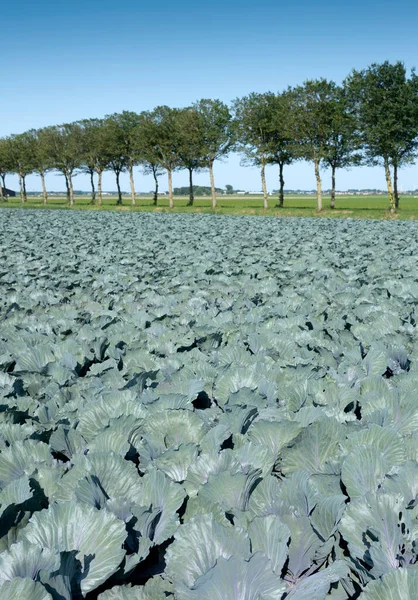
point(63, 61)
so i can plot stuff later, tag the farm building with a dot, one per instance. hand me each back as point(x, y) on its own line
point(7, 192)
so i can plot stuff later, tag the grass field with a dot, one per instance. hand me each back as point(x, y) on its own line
point(369, 207)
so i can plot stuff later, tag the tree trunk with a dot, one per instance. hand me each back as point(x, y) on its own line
point(45, 195)
point(389, 185)
point(131, 180)
point(22, 195)
point(3, 188)
point(332, 187)
point(318, 187)
point(154, 172)
point(281, 193)
point(68, 188)
point(191, 195)
point(212, 185)
point(395, 185)
point(99, 186)
point(170, 188)
point(70, 185)
point(263, 185)
point(119, 200)
point(25, 196)
point(93, 190)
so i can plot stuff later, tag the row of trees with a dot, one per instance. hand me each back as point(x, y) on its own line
point(372, 118)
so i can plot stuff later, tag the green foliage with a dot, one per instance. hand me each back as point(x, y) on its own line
point(63, 144)
point(216, 125)
point(198, 190)
point(385, 103)
point(253, 125)
point(160, 129)
point(372, 118)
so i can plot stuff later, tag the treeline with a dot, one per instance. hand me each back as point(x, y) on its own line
point(371, 119)
point(198, 190)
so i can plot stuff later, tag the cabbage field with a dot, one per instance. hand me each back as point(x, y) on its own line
point(204, 407)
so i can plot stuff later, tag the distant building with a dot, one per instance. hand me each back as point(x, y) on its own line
point(8, 193)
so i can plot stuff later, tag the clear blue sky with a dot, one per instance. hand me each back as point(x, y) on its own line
point(63, 61)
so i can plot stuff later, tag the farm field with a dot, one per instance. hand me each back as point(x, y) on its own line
point(207, 407)
point(369, 207)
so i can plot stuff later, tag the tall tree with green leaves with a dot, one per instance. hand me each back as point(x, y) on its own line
point(280, 136)
point(89, 152)
point(123, 128)
point(343, 147)
point(406, 147)
point(191, 138)
point(21, 159)
point(218, 139)
point(253, 121)
point(41, 161)
point(115, 151)
point(98, 148)
point(146, 145)
point(384, 101)
point(64, 146)
point(161, 126)
point(314, 105)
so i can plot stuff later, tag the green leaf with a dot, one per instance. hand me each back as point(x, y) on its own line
point(22, 458)
point(160, 493)
point(317, 586)
point(203, 541)
point(270, 536)
point(376, 529)
point(236, 579)
point(397, 584)
point(275, 435)
point(16, 492)
point(26, 560)
point(23, 589)
point(156, 588)
point(316, 444)
point(97, 536)
point(363, 470)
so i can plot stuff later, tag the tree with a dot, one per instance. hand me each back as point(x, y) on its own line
point(147, 148)
point(41, 161)
point(19, 151)
point(190, 135)
point(314, 108)
point(253, 121)
point(229, 189)
point(125, 147)
point(64, 145)
point(97, 145)
point(280, 136)
point(340, 151)
point(161, 129)
point(218, 139)
point(385, 104)
point(115, 150)
point(89, 151)
point(406, 142)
